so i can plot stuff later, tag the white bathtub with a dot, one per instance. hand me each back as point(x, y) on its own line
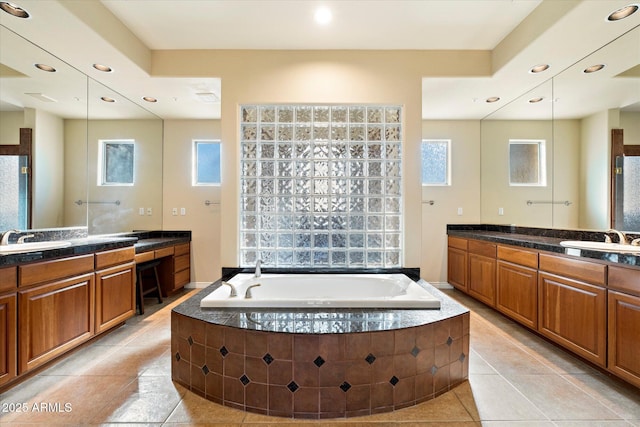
point(323, 290)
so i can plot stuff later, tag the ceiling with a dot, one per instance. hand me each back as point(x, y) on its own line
point(124, 34)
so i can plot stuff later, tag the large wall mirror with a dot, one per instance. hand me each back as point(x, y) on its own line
point(568, 120)
point(96, 155)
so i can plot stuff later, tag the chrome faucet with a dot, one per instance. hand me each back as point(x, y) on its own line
point(5, 236)
point(635, 242)
point(234, 292)
point(622, 239)
point(258, 269)
point(21, 239)
point(248, 294)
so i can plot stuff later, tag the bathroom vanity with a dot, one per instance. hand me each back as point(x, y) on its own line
point(584, 300)
point(51, 301)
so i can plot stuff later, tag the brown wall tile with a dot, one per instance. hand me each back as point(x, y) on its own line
point(213, 384)
point(214, 336)
point(332, 400)
point(234, 340)
point(332, 346)
point(405, 340)
point(306, 399)
point(357, 346)
point(281, 346)
point(256, 395)
point(280, 372)
point(306, 347)
point(256, 343)
point(233, 365)
point(280, 400)
point(359, 398)
point(256, 369)
point(306, 374)
point(382, 343)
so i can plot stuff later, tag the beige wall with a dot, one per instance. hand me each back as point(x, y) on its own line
point(594, 171)
point(75, 174)
point(630, 122)
point(11, 121)
point(203, 221)
point(566, 173)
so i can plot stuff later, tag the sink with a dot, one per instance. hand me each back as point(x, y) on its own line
point(33, 246)
point(600, 246)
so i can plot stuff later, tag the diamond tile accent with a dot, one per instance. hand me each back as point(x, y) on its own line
point(319, 361)
point(205, 369)
point(224, 351)
point(370, 358)
point(244, 380)
point(462, 357)
point(434, 369)
point(178, 357)
point(449, 341)
point(267, 359)
point(292, 386)
point(190, 340)
point(345, 386)
point(415, 351)
point(394, 380)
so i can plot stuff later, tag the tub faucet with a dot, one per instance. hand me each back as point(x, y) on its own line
point(258, 269)
point(234, 292)
point(21, 239)
point(5, 236)
point(635, 242)
point(248, 294)
point(622, 239)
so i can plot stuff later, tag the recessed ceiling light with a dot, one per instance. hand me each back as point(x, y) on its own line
point(149, 99)
point(539, 68)
point(45, 67)
point(493, 99)
point(13, 9)
point(107, 99)
point(623, 13)
point(593, 68)
point(101, 67)
point(322, 16)
point(535, 100)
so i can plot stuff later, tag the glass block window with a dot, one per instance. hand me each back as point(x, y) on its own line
point(527, 163)
point(206, 163)
point(436, 162)
point(116, 162)
point(321, 185)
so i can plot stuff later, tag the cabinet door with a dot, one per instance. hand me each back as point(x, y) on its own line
point(573, 314)
point(54, 318)
point(517, 293)
point(624, 336)
point(8, 349)
point(482, 278)
point(457, 268)
point(115, 296)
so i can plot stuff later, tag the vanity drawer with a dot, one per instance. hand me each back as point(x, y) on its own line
point(582, 270)
point(8, 279)
point(518, 256)
point(144, 257)
point(482, 248)
point(161, 253)
point(114, 257)
point(182, 262)
point(458, 243)
point(624, 279)
point(182, 249)
point(49, 271)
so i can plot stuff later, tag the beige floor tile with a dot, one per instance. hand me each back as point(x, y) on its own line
point(195, 409)
point(446, 407)
point(619, 397)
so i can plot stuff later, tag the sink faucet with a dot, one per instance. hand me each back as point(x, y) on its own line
point(5, 236)
point(21, 239)
point(622, 239)
point(258, 269)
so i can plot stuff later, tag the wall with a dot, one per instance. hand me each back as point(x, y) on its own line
point(364, 77)
point(11, 121)
point(594, 172)
point(75, 174)
point(203, 221)
point(464, 192)
point(630, 122)
point(566, 173)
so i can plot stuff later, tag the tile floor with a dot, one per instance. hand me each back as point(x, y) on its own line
point(516, 379)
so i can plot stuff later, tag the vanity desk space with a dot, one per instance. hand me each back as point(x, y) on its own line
point(53, 300)
point(584, 300)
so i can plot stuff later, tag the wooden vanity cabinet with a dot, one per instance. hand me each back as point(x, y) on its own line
point(517, 285)
point(482, 271)
point(115, 287)
point(624, 323)
point(56, 306)
point(175, 270)
point(457, 263)
point(572, 303)
point(8, 324)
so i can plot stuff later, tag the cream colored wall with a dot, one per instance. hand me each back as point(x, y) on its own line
point(75, 174)
point(365, 77)
point(11, 122)
point(630, 122)
point(464, 192)
point(566, 173)
point(48, 171)
point(203, 221)
point(594, 171)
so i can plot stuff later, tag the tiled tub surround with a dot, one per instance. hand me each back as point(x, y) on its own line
point(545, 239)
point(319, 364)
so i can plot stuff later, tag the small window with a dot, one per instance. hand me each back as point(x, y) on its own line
point(206, 163)
point(527, 163)
point(436, 162)
point(116, 162)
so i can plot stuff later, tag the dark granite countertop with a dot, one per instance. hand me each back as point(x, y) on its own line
point(82, 244)
point(544, 239)
point(320, 321)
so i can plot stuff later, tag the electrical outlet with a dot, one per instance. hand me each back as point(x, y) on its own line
point(500, 211)
point(174, 211)
point(149, 211)
point(459, 211)
point(141, 211)
point(183, 211)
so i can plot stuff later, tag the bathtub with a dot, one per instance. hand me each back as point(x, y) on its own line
point(323, 290)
